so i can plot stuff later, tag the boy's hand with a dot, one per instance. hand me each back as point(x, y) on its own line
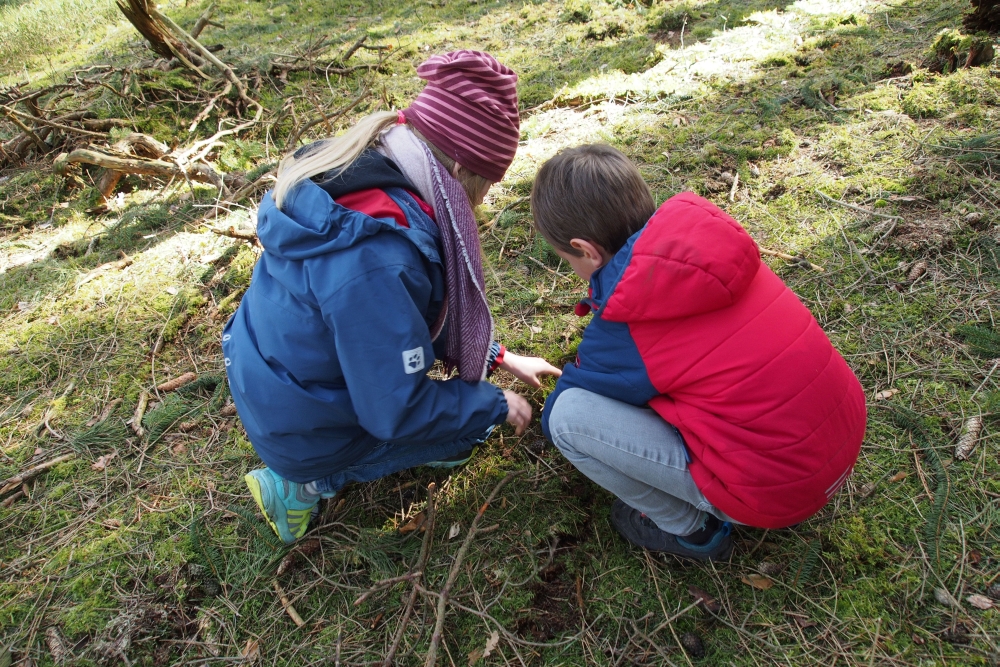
point(518, 411)
point(528, 370)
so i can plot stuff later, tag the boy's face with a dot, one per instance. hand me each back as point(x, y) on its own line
point(592, 257)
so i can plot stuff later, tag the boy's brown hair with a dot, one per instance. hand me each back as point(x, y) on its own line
point(590, 192)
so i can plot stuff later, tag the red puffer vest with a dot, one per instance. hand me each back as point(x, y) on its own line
point(772, 415)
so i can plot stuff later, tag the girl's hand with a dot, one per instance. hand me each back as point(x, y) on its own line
point(518, 411)
point(528, 370)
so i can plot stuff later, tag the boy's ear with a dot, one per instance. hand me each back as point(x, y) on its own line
point(591, 251)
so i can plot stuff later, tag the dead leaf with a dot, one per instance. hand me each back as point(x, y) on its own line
point(535, 329)
point(378, 619)
point(455, 529)
point(179, 449)
point(867, 489)
point(758, 581)
point(416, 521)
point(251, 651)
point(980, 602)
point(112, 524)
point(491, 643)
point(480, 653)
point(898, 477)
point(886, 394)
point(103, 461)
point(707, 602)
point(802, 621)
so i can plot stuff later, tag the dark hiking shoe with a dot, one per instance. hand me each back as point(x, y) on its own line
point(640, 530)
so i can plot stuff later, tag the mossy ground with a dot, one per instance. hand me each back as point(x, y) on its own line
point(158, 558)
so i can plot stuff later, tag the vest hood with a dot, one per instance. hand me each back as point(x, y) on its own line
point(690, 258)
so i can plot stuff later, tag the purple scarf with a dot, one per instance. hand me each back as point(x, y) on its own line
point(468, 320)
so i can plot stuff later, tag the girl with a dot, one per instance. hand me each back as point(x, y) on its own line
point(371, 271)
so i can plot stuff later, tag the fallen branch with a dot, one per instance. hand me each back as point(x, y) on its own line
point(456, 568)
point(205, 20)
point(287, 606)
point(140, 410)
point(195, 172)
point(293, 139)
point(425, 550)
point(11, 113)
point(233, 233)
point(791, 258)
point(859, 209)
point(385, 583)
point(496, 218)
point(118, 265)
point(550, 270)
point(12, 483)
point(42, 146)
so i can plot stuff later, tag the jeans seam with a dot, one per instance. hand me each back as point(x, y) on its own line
point(560, 435)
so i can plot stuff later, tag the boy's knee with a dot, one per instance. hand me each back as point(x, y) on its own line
point(566, 415)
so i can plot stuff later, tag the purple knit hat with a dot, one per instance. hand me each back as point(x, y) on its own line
point(468, 109)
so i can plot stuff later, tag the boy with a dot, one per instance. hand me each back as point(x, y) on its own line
point(703, 392)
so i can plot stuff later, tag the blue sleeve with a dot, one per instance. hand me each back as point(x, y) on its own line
point(607, 363)
point(385, 350)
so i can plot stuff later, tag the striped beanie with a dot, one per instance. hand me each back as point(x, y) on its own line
point(468, 109)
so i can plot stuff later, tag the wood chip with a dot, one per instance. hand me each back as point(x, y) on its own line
point(886, 394)
point(178, 382)
point(415, 522)
point(758, 581)
point(704, 600)
point(898, 477)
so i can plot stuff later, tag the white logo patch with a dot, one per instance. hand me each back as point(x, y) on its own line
point(413, 360)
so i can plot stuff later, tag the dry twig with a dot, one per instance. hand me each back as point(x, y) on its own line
point(12, 483)
point(425, 550)
point(456, 568)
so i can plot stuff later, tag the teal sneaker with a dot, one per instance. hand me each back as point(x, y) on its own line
point(286, 505)
point(458, 460)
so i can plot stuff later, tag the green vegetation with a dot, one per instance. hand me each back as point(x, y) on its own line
point(147, 549)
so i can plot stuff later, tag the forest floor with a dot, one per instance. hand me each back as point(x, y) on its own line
point(816, 123)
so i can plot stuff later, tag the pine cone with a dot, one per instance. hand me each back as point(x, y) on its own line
point(994, 591)
point(693, 645)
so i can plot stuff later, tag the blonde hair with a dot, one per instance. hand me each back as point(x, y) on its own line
point(334, 155)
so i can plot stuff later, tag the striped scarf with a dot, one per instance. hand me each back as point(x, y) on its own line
point(469, 323)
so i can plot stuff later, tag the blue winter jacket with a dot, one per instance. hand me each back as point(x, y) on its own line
point(328, 352)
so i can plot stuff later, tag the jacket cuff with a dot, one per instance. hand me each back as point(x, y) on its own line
point(495, 357)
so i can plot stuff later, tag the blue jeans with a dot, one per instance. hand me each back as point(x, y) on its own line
point(633, 453)
point(387, 458)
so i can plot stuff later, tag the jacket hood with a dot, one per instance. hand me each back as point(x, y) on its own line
point(690, 258)
point(312, 224)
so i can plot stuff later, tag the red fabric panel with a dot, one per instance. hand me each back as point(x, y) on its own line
point(377, 204)
point(771, 413)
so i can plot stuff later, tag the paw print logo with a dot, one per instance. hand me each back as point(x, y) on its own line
point(413, 360)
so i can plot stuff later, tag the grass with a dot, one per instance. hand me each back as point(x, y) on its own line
point(159, 557)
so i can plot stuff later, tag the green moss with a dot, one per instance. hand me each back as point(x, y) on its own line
point(926, 100)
